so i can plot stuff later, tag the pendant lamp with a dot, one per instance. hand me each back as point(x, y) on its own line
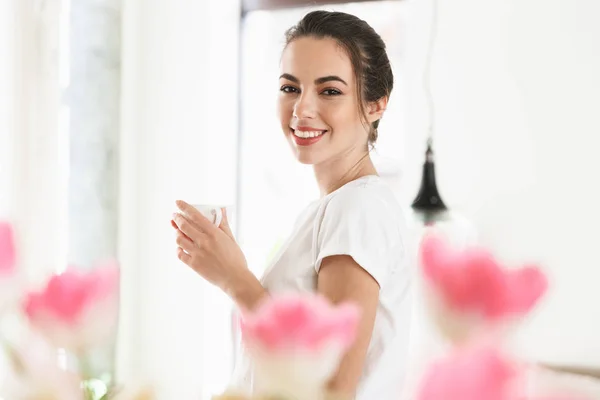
point(429, 211)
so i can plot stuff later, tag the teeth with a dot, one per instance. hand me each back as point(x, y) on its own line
point(308, 134)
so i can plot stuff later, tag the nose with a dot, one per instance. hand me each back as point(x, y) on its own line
point(305, 106)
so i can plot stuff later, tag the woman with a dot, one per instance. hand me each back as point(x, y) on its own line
point(348, 245)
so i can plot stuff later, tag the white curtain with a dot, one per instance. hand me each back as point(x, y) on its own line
point(33, 150)
point(178, 141)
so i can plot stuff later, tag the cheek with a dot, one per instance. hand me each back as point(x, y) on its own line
point(340, 115)
point(285, 108)
point(347, 125)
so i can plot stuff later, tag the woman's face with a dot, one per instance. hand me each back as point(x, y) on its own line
point(318, 104)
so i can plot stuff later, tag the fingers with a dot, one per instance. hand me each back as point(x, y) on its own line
point(225, 224)
point(174, 225)
point(195, 216)
point(183, 256)
point(185, 243)
point(187, 227)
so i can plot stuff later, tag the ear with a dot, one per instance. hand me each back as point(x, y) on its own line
point(376, 109)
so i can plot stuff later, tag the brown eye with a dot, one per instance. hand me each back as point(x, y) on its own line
point(331, 92)
point(288, 89)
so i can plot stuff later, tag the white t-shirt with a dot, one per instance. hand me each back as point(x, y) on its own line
point(364, 220)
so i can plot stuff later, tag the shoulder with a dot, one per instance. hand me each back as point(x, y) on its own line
point(366, 212)
point(368, 200)
point(362, 219)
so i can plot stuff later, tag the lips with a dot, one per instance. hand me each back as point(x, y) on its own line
point(307, 136)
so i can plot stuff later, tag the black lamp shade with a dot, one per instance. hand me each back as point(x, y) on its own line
point(428, 199)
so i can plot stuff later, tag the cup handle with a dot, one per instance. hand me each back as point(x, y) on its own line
point(218, 216)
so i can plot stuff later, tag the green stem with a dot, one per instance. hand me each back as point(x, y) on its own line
point(85, 367)
point(13, 355)
point(88, 392)
point(87, 375)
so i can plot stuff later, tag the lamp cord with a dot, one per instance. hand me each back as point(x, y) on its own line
point(427, 71)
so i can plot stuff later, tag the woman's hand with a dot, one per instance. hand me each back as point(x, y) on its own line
point(209, 250)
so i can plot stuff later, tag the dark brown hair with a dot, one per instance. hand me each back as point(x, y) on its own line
point(364, 46)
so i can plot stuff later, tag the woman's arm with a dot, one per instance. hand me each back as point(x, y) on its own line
point(246, 291)
point(341, 279)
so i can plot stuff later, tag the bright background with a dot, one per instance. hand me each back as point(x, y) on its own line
point(110, 110)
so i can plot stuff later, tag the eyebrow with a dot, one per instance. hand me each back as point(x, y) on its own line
point(318, 81)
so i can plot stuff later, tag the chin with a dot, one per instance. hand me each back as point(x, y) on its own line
point(309, 156)
point(304, 157)
point(301, 155)
point(305, 160)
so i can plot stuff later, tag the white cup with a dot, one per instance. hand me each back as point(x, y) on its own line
point(214, 213)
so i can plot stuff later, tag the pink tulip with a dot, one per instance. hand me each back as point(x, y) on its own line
point(7, 250)
point(301, 322)
point(10, 285)
point(478, 373)
point(472, 281)
point(297, 342)
point(481, 372)
point(77, 309)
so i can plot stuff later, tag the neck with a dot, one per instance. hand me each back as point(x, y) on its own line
point(335, 173)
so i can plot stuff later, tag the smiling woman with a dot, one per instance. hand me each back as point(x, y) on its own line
point(335, 81)
point(360, 90)
point(263, 187)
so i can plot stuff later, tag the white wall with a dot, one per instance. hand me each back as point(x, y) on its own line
point(517, 94)
point(33, 153)
point(6, 10)
point(179, 129)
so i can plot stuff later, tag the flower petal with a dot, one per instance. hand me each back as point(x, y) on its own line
point(7, 250)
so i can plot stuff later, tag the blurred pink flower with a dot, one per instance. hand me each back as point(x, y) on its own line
point(481, 371)
point(300, 322)
point(7, 250)
point(472, 281)
point(296, 342)
point(76, 309)
point(477, 372)
point(10, 285)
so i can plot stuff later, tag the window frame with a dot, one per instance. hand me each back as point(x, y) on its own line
point(268, 5)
